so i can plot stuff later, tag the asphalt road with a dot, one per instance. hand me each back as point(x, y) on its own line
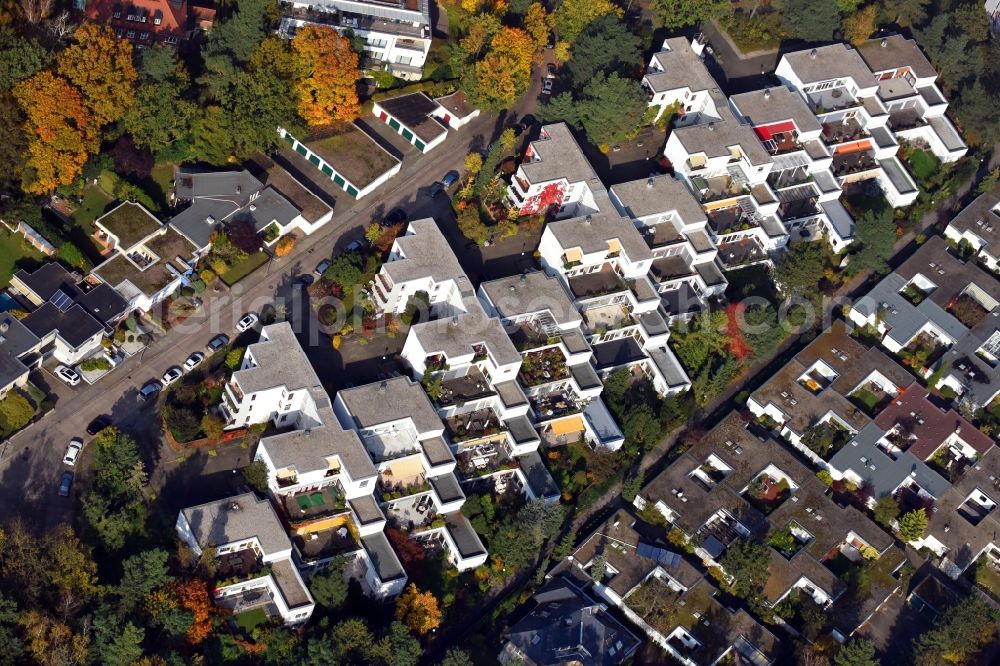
point(30, 462)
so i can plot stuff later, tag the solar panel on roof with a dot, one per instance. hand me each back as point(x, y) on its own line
point(61, 300)
point(659, 555)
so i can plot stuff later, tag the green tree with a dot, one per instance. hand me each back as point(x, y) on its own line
point(875, 235)
point(234, 358)
point(15, 412)
point(256, 476)
point(605, 46)
point(115, 644)
point(397, 647)
point(456, 657)
point(317, 651)
point(352, 640)
point(231, 42)
point(71, 254)
point(801, 268)
point(13, 141)
point(11, 647)
point(20, 57)
point(141, 573)
point(346, 270)
point(913, 525)
point(698, 339)
point(573, 16)
point(856, 652)
point(811, 20)
point(631, 487)
point(747, 562)
point(907, 13)
point(160, 65)
point(961, 632)
point(328, 586)
point(160, 115)
point(886, 511)
point(677, 14)
point(212, 426)
point(115, 506)
point(612, 108)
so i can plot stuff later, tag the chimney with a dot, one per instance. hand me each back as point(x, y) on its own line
point(812, 54)
point(767, 93)
point(884, 43)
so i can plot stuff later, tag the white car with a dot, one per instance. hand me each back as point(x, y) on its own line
point(248, 321)
point(68, 375)
point(73, 451)
point(172, 375)
point(192, 361)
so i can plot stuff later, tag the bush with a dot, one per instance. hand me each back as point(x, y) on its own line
point(207, 276)
point(15, 412)
point(825, 477)
point(284, 246)
point(95, 365)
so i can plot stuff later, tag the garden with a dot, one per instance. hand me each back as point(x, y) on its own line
point(190, 411)
point(542, 367)
point(576, 468)
point(870, 399)
point(754, 31)
point(825, 439)
point(967, 310)
point(986, 574)
point(922, 352)
point(20, 407)
point(765, 493)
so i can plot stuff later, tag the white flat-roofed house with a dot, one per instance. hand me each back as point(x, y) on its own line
point(252, 549)
point(554, 175)
point(421, 261)
point(915, 105)
point(978, 225)
point(677, 77)
point(397, 36)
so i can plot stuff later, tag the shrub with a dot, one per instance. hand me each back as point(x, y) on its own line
point(284, 246)
point(207, 275)
point(825, 477)
point(95, 365)
point(15, 412)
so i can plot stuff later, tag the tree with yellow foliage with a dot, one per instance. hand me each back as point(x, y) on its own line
point(60, 132)
point(860, 25)
point(538, 23)
point(504, 73)
point(575, 15)
point(328, 76)
point(418, 610)
point(100, 66)
point(284, 246)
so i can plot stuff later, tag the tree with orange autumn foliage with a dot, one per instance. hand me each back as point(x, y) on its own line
point(327, 76)
point(418, 610)
point(100, 66)
point(193, 597)
point(284, 246)
point(60, 132)
point(503, 73)
point(538, 23)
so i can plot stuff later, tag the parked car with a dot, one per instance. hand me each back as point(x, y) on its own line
point(192, 361)
point(149, 390)
point(450, 178)
point(551, 44)
point(353, 246)
point(68, 375)
point(322, 266)
point(65, 483)
point(97, 425)
point(547, 86)
point(550, 69)
point(248, 321)
point(435, 189)
point(172, 374)
point(218, 342)
point(303, 281)
point(524, 125)
point(395, 216)
point(73, 451)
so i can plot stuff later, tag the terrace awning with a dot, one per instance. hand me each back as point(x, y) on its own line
point(765, 132)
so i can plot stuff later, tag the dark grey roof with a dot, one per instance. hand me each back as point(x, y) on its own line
point(74, 325)
point(194, 221)
point(617, 352)
point(556, 155)
point(715, 138)
point(682, 68)
point(104, 303)
point(15, 340)
point(414, 112)
point(658, 194)
point(46, 279)
point(382, 557)
point(268, 207)
point(980, 379)
point(774, 105)
point(830, 62)
point(901, 316)
point(529, 293)
point(520, 429)
point(680, 301)
point(982, 219)
point(290, 584)
point(538, 476)
point(893, 52)
point(391, 400)
point(465, 538)
point(881, 473)
point(840, 219)
point(567, 626)
point(446, 486)
point(671, 369)
point(213, 194)
point(366, 509)
point(237, 519)
point(584, 375)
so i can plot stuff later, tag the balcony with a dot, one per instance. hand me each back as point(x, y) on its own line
point(662, 235)
point(346, 20)
point(668, 269)
point(389, 489)
point(306, 507)
point(846, 164)
point(835, 99)
point(593, 285)
point(472, 385)
point(718, 188)
point(543, 367)
point(766, 493)
point(483, 459)
point(241, 565)
point(741, 252)
point(555, 405)
point(844, 131)
point(782, 143)
point(323, 544)
point(476, 425)
point(529, 336)
point(412, 514)
point(599, 319)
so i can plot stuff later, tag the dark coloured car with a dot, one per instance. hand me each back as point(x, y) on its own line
point(524, 124)
point(218, 342)
point(435, 189)
point(97, 425)
point(551, 69)
point(322, 266)
point(450, 179)
point(65, 483)
point(149, 390)
point(395, 216)
point(303, 281)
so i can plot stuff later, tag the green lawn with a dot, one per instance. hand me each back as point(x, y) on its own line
point(94, 203)
point(923, 165)
point(14, 249)
point(867, 399)
point(251, 619)
point(157, 186)
point(244, 268)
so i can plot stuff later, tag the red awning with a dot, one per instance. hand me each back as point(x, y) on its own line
point(764, 132)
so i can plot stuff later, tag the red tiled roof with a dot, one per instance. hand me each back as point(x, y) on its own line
point(930, 424)
point(172, 17)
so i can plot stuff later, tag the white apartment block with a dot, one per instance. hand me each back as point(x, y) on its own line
point(978, 225)
point(252, 548)
point(397, 36)
point(421, 261)
point(555, 174)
